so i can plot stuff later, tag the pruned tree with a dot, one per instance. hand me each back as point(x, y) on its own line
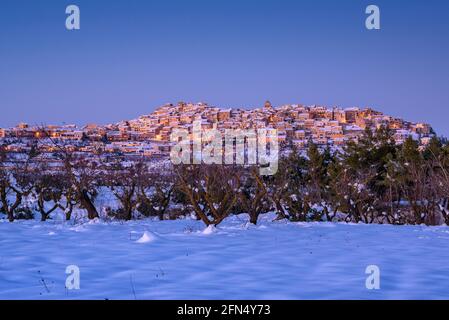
point(286, 188)
point(351, 194)
point(69, 199)
point(359, 179)
point(212, 190)
point(82, 173)
point(15, 180)
point(437, 155)
point(417, 184)
point(155, 190)
point(253, 193)
point(48, 190)
point(122, 179)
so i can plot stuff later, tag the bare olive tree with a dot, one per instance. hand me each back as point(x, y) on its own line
point(81, 173)
point(253, 193)
point(15, 180)
point(122, 179)
point(48, 190)
point(69, 199)
point(286, 189)
point(212, 190)
point(155, 190)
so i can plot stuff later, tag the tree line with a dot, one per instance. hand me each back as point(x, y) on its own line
point(373, 180)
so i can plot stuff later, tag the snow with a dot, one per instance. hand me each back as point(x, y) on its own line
point(273, 260)
point(147, 237)
point(209, 230)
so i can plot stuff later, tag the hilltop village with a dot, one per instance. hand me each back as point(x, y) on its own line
point(149, 135)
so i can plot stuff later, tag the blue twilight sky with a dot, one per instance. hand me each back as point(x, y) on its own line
point(133, 55)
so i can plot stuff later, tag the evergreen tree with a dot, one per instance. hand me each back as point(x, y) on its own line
point(317, 181)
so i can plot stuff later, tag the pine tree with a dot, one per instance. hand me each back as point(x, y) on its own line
point(317, 180)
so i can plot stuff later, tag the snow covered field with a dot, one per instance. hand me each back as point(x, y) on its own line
point(181, 260)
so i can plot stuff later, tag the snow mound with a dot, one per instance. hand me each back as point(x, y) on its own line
point(79, 228)
point(147, 237)
point(210, 230)
point(94, 221)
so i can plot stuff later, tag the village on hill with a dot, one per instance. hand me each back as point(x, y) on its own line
point(149, 135)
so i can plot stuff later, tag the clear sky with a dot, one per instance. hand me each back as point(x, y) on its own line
point(133, 55)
